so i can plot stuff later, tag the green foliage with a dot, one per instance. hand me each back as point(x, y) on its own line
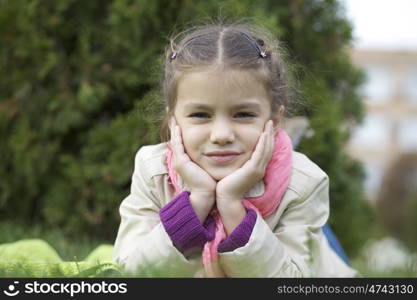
point(397, 201)
point(75, 249)
point(351, 217)
point(36, 258)
point(79, 80)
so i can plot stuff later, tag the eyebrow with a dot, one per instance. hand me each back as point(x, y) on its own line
point(247, 105)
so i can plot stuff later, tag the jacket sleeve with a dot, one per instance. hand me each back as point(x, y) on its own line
point(294, 249)
point(142, 246)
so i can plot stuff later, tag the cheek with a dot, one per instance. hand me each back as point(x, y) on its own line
point(250, 138)
point(191, 138)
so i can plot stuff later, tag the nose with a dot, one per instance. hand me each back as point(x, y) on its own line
point(221, 132)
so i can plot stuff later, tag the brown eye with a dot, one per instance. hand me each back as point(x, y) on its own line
point(199, 115)
point(245, 115)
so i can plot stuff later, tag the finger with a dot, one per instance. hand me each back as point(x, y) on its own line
point(174, 139)
point(267, 139)
point(265, 153)
point(179, 156)
point(179, 140)
point(266, 126)
point(270, 136)
point(172, 134)
point(271, 143)
point(171, 122)
point(179, 146)
point(259, 149)
point(171, 125)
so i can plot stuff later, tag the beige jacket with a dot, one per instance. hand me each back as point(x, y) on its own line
point(289, 243)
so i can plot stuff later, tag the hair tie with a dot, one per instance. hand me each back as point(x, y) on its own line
point(254, 43)
point(173, 56)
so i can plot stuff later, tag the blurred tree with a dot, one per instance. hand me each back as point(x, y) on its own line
point(78, 90)
point(397, 200)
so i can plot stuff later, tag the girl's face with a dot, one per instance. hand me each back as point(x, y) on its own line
point(221, 116)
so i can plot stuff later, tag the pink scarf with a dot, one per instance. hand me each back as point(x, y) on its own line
point(276, 180)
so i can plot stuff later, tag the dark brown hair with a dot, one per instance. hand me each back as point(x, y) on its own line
point(238, 46)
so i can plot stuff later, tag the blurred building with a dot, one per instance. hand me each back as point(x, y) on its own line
point(390, 125)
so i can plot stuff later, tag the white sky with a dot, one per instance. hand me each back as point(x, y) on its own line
point(386, 24)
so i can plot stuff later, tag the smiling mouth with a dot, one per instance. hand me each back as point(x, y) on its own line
point(223, 159)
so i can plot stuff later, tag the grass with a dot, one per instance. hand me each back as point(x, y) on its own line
point(72, 253)
point(71, 250)
point(361, 264)
point(67, 248)
point(58, 271)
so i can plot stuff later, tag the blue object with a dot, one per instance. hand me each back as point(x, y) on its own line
point(334, 243)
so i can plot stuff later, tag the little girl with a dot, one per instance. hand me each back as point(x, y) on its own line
point(225, 195)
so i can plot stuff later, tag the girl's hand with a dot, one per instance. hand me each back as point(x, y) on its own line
point(234, 186)
point(202, 186)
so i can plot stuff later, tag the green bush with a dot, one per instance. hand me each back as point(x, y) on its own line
point(76, 101)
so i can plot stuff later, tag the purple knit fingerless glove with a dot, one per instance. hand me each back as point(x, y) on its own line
point(182, 224)
point(240, 235)
point(186, 231)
